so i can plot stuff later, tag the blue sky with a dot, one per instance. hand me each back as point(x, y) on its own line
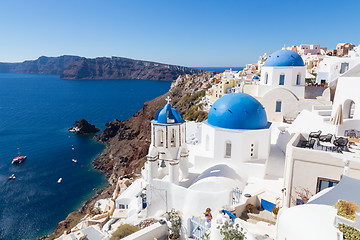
point(182, 32)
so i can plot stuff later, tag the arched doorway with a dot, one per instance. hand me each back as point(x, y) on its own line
point(349, 109)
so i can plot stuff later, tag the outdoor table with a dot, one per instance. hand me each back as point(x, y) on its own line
point(354, 140)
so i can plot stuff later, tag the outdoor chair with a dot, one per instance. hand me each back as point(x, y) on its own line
point(326, 138)
point(341, 144)
point(308, 144)
point(350, 133)
point(315, 134)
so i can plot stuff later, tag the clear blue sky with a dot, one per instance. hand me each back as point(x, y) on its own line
point(182, 32)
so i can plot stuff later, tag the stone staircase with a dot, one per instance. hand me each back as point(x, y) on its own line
point(323, 111)
point(258, 216)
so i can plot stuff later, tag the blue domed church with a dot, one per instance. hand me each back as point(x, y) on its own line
point(236, 133)
point(281, 85)
point(285, 69)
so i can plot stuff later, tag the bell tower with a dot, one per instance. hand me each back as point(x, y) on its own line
point(168, 153)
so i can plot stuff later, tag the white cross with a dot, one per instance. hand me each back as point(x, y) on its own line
point(168, 99)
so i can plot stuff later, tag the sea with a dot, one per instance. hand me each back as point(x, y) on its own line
point(35, 113)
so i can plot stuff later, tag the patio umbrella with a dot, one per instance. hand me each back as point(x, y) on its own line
point(338, 117)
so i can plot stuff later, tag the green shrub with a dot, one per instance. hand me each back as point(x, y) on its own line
point(193, 114)
point(123, 231)
point(231, 231)
point(175, 220)
point(349, 233)
point(192, 97)
point(347, 209)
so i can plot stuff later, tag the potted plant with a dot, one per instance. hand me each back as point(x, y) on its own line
point(347, 209)
point(250, 208)
point(175, 221)
point(276, 209)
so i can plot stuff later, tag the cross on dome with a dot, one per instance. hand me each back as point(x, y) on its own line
point(168, 99)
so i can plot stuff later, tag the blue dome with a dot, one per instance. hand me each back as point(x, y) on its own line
point(168, 115)
point(237, 111)
point(284, 58)
point(256, 77)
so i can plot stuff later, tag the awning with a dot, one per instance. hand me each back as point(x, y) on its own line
point(347, 189)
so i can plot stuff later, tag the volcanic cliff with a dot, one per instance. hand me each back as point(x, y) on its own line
point(74, 67)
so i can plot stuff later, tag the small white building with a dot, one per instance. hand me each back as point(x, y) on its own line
point(331, 68)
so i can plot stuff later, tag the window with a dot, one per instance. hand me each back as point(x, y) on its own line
point(299, 201)
point(266, 78)
point(123, 206)
point(228, 149)
point(344, 67)
point(323, 183)
point(172, 139)
point(282, 79)
point(160, 138)
point(298, 79)
point(278, 106)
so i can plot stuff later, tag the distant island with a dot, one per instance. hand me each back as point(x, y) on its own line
point(75, 67)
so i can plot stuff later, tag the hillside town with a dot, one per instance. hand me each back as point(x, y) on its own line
point(278, 157)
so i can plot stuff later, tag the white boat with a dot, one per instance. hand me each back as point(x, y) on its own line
point(12, 177)
point(19, 159)
point(59, 180)
point(74, 160)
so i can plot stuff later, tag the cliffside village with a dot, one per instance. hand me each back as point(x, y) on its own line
point(277, 158)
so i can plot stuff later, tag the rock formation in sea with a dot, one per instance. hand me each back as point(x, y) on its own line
point(83, 127)
point(74, 67)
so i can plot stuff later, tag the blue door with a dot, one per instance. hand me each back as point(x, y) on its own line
point(267, 205)
point(144, 204)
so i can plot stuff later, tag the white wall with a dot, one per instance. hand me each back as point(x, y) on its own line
point(347, 89)
point(166, 196)
point(156, 230)
point(241, 141)
point(204, 157)
point(289, 82)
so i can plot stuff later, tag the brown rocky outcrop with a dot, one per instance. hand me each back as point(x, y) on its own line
point(83, 127)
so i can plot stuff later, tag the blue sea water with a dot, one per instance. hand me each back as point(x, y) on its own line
point(35, 112)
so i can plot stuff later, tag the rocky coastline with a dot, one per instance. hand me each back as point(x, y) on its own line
point(127, 141)
point(75, 67)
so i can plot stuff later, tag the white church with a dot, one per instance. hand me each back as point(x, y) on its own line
point(234, 144)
